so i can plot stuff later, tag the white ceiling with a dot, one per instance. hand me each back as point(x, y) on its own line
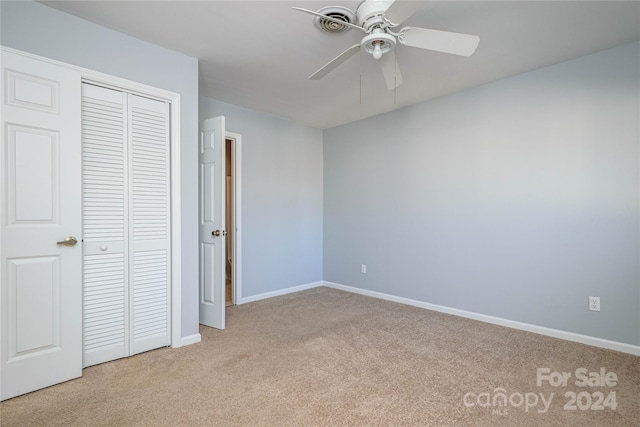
point(258, 54)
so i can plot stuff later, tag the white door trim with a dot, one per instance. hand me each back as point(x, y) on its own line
point(173, 98)
point(236, 158)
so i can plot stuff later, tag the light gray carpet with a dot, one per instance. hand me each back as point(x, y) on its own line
point(326, 357)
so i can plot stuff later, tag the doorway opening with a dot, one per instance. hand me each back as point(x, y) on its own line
point(228, 207)
point(232, 218)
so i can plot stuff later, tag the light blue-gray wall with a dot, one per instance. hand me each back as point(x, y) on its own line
point(38, 29)
point(281, 198)
point(517, 199)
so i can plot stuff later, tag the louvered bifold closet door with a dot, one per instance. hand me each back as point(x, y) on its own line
point(149, 225)
point(104, 205)
point(125, 182)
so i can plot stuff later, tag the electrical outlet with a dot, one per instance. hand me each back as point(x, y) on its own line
point(594, 303)
point(363, 268)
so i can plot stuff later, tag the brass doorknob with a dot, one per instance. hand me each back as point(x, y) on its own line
point(215, 233)
point(68, 241)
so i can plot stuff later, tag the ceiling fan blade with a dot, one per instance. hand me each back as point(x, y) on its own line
point(328, 18)
point(441, 41)
point(399, 11)
point(390, 70)
point(335, 62)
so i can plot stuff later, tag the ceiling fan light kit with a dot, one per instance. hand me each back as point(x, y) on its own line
point(378, 43)
point(377, 18)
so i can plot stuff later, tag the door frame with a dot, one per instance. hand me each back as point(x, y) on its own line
point(236, 233)
point(106, 80)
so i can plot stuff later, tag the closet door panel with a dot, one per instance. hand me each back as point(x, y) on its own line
point(126, 224)
point(149, 225)
point(104, 201)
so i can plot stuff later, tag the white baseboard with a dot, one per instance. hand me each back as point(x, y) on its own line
point(188, 340)
point(556, 333)
point(280, 292)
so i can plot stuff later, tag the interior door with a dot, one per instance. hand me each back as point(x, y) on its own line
point(40, 265)
point(212, 222)
point(105, 232)
point(126, 214)
point(150, 246)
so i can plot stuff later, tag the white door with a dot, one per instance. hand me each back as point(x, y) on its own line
point(105, 231)
point(212, 222)
point(40, 167)
point(149, 224)
point(126, 207)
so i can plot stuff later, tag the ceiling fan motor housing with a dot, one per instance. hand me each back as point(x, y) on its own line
point(370, 13)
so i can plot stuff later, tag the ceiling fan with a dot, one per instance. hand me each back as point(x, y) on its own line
point(378, 19)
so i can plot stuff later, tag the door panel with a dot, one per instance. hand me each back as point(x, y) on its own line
point(32, 92)
point(34, 286)
point(149, 223)
point(212, 222)
point(105, 233)
point(40, 167)
point(32, 162)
